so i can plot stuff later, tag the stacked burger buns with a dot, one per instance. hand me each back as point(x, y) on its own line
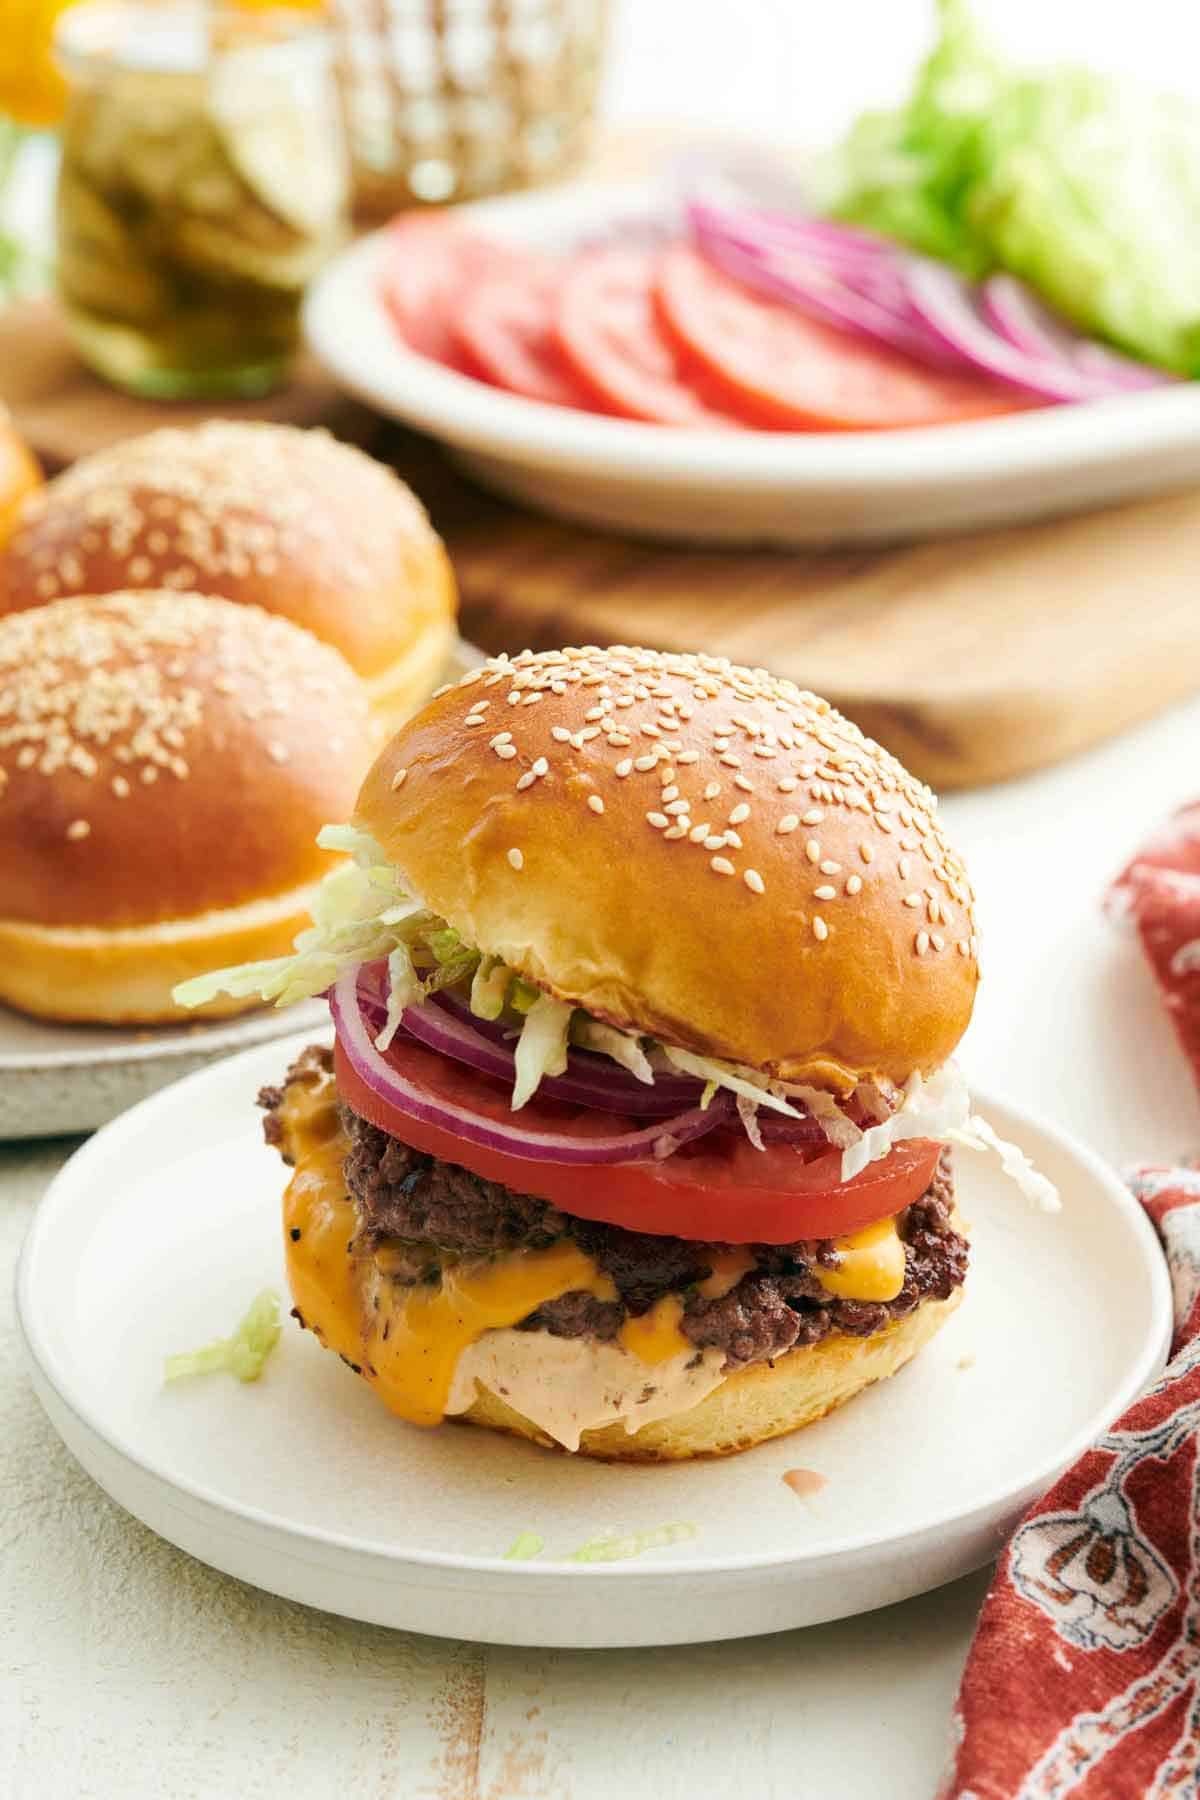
point(202, 634)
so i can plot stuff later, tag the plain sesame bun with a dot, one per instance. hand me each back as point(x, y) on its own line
point(19, 475)
point(286, 519)
point(753, 1404)
point(166, 761)
point(691, 850)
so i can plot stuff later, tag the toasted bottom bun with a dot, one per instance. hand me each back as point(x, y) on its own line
point(756, 1403)
point(125, 977)
point(406, 684)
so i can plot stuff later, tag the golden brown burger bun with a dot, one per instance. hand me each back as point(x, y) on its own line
point(166, 761)
point(19, 474)
point(286, 519)
point(752, 1405)
point(691, 850)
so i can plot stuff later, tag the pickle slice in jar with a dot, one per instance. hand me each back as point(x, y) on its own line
point(100, 262)
point(288, 157)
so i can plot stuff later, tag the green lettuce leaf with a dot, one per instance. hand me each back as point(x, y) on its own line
point(244, 1354)
point(1084, 184)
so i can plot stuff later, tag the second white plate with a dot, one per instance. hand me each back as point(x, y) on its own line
point(738, 487)
point(159, 1231)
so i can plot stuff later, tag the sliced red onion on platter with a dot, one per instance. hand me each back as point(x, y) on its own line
point(1020, 318)
point(511, 1139)
point(946, 303)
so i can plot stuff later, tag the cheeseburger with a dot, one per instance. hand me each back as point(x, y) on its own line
point(635, 1133)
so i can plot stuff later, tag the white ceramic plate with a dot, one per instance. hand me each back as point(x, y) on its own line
point(738, 487)
point(57, 1078)
point(161, 1229)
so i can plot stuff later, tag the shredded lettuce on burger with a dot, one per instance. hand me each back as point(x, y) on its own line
point(363, 913)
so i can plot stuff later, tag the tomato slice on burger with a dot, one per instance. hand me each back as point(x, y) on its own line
point(721, 1191)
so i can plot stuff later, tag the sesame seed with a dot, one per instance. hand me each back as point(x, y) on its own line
point(670, 793)
point(688, 756)
point(399, 778)
point(625, 766)
point(866, 852)
point(903, 866)
point(921, 943)
point(730, 760)
point(277, 752)
point(711, 790)
point(939, 943)
point(787, 824)
point(618, 739)
point(829, 867)
point(515, 858)
point(120, 787)
point(912, 900)
point(854, 884)
point(675, 807)
point(716, 841)
point(734, 838)
point(964, 949)
point(699, 833)
point(740, 813)
point(540, 766)
point(526, 780)
point(78, 828)
point(825, 892)
point(501, 737)
point(506, 752)
point(659, 820)
point(722, 865)
point(473, 719)
point(820, 928)
point(814, 815)
point(678, 830)
point(754, 881)
point(644, 763)
point(560, 734)
point(740, 781)
point(596, 803)
point(788, 785)
point(813, 850)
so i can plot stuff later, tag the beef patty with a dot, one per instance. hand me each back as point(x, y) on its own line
point(426, 1211)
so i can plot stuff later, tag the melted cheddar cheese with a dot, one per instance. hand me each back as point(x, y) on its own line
point(405, 1341)
point(655, 1336)
point(870, 1264)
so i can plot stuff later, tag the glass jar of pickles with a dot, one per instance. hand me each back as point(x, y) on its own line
point(203, 182)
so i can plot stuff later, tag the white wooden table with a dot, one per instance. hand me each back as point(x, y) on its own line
point(128, 1672)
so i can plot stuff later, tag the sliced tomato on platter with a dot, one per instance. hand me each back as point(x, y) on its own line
point(721, 1192)
point(429, 263)
point(610, 336)
point(505, 327)
point(793, 372)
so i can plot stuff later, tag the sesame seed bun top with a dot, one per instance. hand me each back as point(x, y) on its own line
point(165, 755)
point(690, 849)
point(283, 518)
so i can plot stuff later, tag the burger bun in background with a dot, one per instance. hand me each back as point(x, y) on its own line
point(166, 762)
point(287, 519)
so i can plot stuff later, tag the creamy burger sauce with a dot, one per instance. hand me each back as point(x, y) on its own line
point(425, 1348)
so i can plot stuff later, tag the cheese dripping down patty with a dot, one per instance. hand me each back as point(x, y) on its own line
point(424, 1349)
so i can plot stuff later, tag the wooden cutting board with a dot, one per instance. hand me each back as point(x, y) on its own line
point(973, 658)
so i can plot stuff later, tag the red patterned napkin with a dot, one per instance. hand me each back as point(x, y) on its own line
point(1083, 1680)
